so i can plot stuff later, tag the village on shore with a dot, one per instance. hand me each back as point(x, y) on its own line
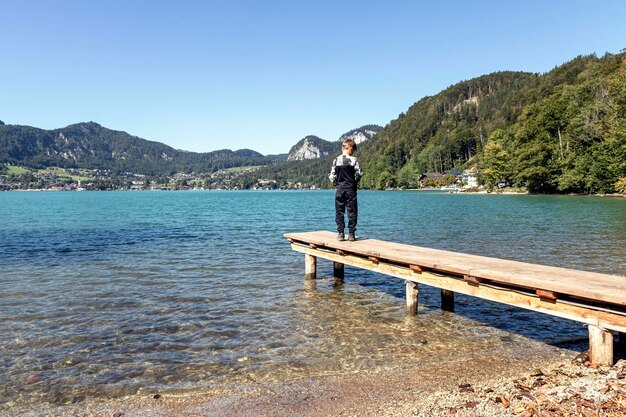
point(80, 179)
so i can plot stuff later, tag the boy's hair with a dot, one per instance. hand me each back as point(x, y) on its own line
point(349, 142)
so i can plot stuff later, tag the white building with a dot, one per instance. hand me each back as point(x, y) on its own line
point(470, 177)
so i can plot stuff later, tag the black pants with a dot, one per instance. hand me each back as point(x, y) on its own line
point(346, 199)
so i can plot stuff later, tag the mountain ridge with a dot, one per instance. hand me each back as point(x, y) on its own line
point(314, 147)
point(90, 145)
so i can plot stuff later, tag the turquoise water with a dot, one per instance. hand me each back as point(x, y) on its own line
point(108, 294)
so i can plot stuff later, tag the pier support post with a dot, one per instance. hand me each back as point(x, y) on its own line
point(338, 270)
point(310, 266)
point(620, 345)
point(600, 346)
point(447, 300)
point(412, 292)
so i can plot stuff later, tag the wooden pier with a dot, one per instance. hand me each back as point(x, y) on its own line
point(598, 300)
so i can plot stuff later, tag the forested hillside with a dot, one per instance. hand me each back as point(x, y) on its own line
point(563, 131)
point(571, 137)
point(444, 131)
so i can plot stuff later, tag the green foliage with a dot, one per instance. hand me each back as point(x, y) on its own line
point(495, 164)
point(620, 185)
point(16, 170)
point(572, 140)
point(445, 131)
point(312, 172)
point(408, 175)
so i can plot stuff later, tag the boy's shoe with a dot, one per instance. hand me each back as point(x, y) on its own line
point(341, 237)
point(351, 237)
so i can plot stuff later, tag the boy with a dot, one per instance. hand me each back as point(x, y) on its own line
point(345, 175)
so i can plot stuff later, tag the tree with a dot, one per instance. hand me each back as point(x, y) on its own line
point(620, 185)
point(495, 164)
point(534, 165)
point(408, 176)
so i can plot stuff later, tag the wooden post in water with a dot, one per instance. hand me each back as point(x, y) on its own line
point(447, 300)
point(620, 345)
point(600, 346)
point(412, 292)
point(338, 270)
point(310, 266)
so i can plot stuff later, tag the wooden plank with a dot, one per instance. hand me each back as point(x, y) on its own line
point(589, 285)
point(605, 319)
point(600, 346)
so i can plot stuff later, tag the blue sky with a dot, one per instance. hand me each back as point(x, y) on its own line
point(208, 75)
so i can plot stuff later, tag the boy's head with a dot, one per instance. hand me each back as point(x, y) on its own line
point(348, 146)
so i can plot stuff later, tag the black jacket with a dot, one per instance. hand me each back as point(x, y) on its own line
point(345, 173)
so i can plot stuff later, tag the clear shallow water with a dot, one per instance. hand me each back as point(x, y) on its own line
point(106, 294)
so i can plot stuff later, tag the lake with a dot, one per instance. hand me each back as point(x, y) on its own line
point(114, 293)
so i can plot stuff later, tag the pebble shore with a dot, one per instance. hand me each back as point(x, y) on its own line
point(554, 382)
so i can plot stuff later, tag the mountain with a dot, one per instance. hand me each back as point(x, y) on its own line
point(361, 134)
point(313, 147)
point(443, 131)
point(559, 132)
point(89, 145)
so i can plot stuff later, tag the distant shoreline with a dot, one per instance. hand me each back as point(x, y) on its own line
point(485, 192)
point(480, 192)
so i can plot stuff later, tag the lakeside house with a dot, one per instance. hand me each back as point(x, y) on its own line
point(470, 177)
point(429, 178)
